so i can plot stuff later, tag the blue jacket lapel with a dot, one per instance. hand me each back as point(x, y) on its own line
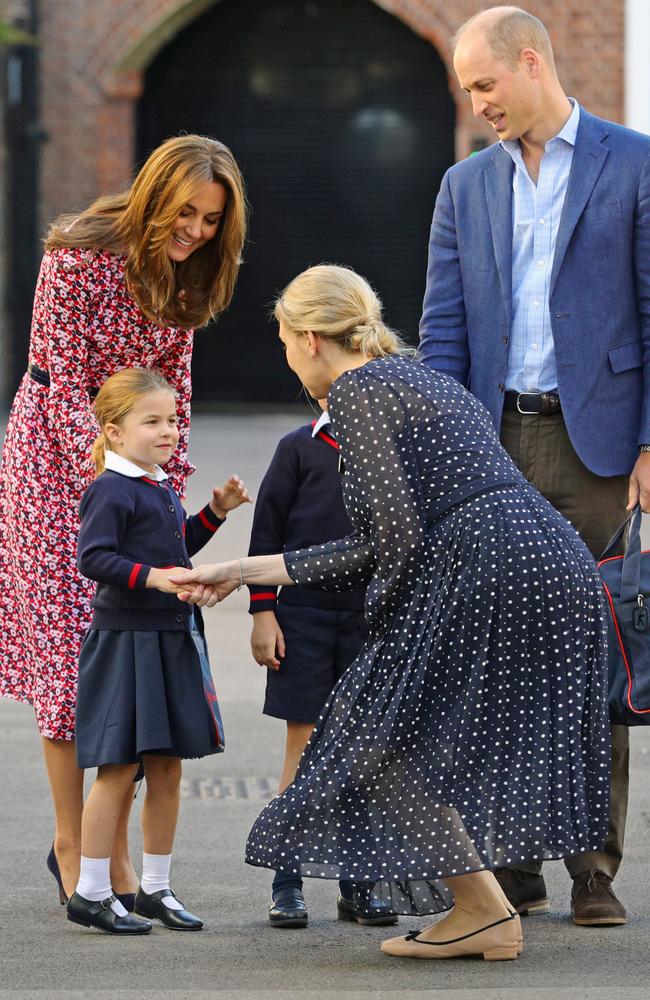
point(498, 189)
point(589, 156)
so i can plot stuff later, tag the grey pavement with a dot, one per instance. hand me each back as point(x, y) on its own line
point(238, 955)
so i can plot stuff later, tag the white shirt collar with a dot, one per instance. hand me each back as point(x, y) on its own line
point(323, 421)
point(116, 463)
point(568, 132)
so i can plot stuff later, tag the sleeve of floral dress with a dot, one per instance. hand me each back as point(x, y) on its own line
point(62, 304)
point(371, 426)
point(176, 366)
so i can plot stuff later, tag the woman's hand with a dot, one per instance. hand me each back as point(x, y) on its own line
point(267, 640)
point(232, 494)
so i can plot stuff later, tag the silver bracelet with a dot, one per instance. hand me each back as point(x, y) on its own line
point(241, 575)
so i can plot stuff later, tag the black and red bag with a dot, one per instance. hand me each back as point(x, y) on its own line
point(627, 587)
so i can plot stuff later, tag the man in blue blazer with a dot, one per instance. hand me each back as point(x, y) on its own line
point(538, 300)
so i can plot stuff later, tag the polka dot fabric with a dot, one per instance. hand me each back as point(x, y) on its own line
point(471, 732)
point(85, 327)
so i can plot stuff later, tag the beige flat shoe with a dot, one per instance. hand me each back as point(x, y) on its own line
point(496, 943)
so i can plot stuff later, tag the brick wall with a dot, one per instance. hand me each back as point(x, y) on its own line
point(93, 53)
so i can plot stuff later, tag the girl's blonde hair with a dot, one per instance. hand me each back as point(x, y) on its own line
point(139, 224)
point(338, 304)
point(117, 397)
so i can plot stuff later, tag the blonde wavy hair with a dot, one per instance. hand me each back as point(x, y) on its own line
point(117, 397)
point(139, 223)
point(338, 304)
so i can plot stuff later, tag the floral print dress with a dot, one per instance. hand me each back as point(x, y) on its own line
point(85, 327)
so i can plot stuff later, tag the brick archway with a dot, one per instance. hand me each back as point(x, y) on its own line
point(108, 55)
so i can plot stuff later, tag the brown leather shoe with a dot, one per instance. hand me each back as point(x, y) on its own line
point(593, 903)
point(525, 890)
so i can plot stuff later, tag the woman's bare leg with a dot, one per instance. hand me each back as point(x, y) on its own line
point(66, 785)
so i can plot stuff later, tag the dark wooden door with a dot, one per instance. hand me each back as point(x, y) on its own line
point(342, 122)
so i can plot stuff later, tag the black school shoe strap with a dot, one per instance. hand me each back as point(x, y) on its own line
point(152, 906)
point(91, 913)
point(413, 935)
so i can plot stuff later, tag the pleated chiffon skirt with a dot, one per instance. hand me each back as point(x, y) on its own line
point(473, 733)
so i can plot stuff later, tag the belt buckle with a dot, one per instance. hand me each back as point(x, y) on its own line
point(526, 412)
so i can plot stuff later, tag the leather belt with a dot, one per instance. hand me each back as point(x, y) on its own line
point(43, 378)
point(543, 403)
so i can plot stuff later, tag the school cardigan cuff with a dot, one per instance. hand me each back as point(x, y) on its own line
point(262, 599)
point(209, 519)
point(138, 576)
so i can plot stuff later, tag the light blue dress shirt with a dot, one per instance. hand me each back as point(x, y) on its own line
point(536, 211)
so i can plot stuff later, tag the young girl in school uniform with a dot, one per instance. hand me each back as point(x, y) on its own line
point(145, 695)
point(306, 638)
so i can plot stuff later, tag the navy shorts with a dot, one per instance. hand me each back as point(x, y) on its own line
point(321, 644)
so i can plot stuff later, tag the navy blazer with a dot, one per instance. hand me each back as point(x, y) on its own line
point(599, 291)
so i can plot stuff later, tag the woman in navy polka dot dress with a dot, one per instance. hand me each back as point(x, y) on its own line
point(471, 732)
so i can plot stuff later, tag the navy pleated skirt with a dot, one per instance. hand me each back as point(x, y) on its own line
point(145, 693)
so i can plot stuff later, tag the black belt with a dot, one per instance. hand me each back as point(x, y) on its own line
point(544, 403)
point(43, 378)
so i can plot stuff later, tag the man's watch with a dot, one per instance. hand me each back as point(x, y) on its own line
point(644, 447)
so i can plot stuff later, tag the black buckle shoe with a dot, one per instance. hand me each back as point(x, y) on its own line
point(289, 909)
point(365, 907)
point(526, 891)
point(152, 906)
point(99, 914)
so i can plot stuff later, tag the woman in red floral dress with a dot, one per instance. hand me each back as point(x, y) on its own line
point(121, 286)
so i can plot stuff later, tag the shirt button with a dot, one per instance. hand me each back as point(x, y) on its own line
point(172, 508)
point(540, 263)
point(179, 619)
point(542, 221)
point(535, 347)
point(501, 387)
point(505, 338)
point(536, 303)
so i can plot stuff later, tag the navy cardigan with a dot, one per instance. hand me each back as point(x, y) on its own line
point(300, 503)
point(129, 525)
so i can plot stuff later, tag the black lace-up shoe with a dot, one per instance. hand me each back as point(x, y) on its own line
point(593, 903)
point(364, 907)
point(525, 890)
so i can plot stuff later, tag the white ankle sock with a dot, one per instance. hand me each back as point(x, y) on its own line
point(95, 882)
point(155, 876)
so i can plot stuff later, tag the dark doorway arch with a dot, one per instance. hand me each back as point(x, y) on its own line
point(341, 119)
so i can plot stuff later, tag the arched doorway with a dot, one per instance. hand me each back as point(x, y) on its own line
point(341, 119)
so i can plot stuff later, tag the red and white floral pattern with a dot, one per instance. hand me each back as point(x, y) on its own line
point(85, 327)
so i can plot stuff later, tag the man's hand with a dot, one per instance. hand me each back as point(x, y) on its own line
point(639, 488)
point(267, 640)
point(232, 494)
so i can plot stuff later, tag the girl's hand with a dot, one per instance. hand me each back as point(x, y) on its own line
point(159, 579)
point(232, 494)
point(267, 640)
point(207, 595)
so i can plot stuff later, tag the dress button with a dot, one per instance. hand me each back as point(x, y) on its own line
point(179, 619)
point(501, 387)
point(172, 508)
